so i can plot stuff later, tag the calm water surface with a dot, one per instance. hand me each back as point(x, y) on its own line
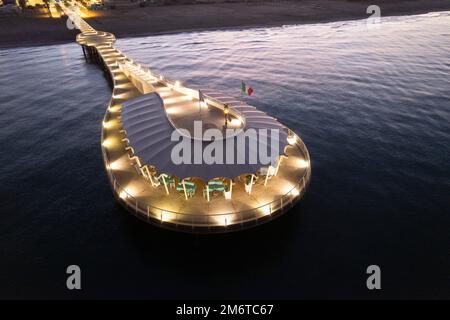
point(372, 105)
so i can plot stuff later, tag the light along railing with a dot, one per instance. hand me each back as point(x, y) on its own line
point(220, 221)
point(145, 74)
point(214, 222)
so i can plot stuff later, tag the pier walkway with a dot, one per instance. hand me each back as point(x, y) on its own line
point(143, 107)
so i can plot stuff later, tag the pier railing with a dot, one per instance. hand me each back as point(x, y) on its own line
point(219, 222)
point(146, 76)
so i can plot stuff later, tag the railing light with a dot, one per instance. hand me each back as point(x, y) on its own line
point(291, 140)
point(303, 163)
point(107, 124)
point(115, 165)
point(107, 143)
point(165, 216)
point(265, 210)
point(123, 194)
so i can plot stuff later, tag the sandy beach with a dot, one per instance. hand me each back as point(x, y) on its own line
point(29, 31)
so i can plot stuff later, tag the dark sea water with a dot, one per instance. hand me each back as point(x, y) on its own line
point(372, 105)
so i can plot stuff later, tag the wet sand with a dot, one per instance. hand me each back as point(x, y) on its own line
point(28, 31)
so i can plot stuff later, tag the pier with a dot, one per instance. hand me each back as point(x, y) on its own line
point(145, 109)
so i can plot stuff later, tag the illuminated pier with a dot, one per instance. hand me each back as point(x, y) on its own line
point(146, 109)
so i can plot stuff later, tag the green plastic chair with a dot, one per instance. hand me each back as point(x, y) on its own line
point(190, 187)
point(168, 179)
point(216, 186)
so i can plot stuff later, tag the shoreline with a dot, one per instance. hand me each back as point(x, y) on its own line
point(22, 32)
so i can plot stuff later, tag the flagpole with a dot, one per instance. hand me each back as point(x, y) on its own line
point(242, 94)
point(245, 91)
point(201, 99)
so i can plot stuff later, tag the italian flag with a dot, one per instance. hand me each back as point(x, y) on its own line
point(246, 89)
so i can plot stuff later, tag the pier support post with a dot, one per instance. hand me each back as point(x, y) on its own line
point(84, 54)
